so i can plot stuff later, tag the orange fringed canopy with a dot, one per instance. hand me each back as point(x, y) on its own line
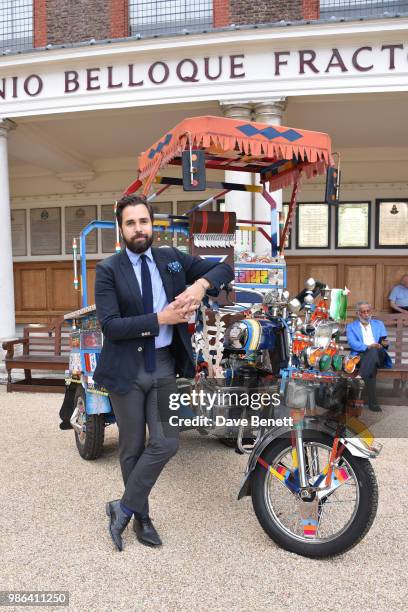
point(246, 146)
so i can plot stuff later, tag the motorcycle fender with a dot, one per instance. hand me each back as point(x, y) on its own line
point(97, 404)
point(354, 445)
point(257, 451)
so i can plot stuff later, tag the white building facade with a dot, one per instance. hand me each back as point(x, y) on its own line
point(73, 121)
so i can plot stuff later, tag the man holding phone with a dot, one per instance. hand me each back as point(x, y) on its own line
point(367, 337)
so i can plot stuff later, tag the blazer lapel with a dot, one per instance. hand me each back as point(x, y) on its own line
point(130, 276)
point(161, 258)
point(359, 331)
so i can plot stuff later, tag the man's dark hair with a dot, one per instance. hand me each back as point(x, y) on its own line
point(132, 200)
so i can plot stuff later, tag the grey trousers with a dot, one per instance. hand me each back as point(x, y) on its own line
point(146, 403)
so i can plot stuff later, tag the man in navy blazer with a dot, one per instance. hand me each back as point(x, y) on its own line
point(367, 337)
point(143, 307)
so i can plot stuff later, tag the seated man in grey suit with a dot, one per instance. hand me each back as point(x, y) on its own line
point(143, 307)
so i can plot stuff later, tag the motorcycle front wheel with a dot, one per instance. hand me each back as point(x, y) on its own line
point(344, 516)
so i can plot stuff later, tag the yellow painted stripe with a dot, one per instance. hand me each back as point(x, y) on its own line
point(256, 332)
point(276, 474)
point(294, 458)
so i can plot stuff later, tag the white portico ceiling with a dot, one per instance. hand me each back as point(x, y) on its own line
point(80, 139)
point(77, 143)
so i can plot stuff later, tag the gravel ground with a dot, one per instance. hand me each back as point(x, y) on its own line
point(215, 554)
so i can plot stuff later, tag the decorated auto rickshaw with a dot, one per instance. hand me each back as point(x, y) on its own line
point(313, 488)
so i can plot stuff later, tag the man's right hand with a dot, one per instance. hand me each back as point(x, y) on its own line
point(375, 345)
point(175, 313)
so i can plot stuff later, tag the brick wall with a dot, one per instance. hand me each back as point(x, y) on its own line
point(40, 23)
point(120, 18)
point(221, 13)
point(78, 20)
point(247, 11)
point(311, 9)
point(69, 21)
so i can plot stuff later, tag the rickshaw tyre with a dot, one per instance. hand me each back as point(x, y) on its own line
point(362, 522)
point(228, 442)
point(95, 432)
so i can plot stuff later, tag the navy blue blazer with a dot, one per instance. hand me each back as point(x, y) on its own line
point(119, 309)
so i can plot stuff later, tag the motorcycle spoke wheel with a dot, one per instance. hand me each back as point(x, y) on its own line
point(285, 506)
point(344, 514)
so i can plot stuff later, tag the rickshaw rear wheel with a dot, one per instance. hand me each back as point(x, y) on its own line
point(90, 441)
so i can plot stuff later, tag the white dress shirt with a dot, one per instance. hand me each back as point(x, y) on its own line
point(368, 337)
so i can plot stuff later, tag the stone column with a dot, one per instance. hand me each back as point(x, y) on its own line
point(7, 314)
point(239, 201)
point(270, 112)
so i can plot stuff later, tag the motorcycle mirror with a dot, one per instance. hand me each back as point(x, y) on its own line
point(294, 305)
point(310, 284)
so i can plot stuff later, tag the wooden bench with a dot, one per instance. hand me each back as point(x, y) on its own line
point(44, 347)
point(397, 333)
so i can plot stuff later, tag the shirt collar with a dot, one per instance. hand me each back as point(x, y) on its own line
point(135, 257)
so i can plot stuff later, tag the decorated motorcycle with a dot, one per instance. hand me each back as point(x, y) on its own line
point(272, 379)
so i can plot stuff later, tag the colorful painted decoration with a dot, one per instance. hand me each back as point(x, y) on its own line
point(300, 343)
point(338, 304)
point(252, 276)
point(350, 363)
point(325, 362)
point(337, 362)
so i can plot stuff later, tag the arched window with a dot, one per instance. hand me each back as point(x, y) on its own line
point(152, 17)
point(16, 25)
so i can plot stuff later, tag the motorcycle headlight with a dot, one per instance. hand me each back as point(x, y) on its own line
point(324, 333)
point(313, 355)
point(236, 335)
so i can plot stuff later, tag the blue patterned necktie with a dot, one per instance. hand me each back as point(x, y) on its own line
point(149, 351)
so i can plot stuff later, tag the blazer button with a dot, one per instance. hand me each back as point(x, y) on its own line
point(139, 348)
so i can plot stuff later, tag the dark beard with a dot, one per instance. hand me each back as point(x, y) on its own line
point(140, 246)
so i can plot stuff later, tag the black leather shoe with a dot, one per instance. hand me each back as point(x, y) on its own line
point(118, 522)
point(65, 425)
point(145, 531)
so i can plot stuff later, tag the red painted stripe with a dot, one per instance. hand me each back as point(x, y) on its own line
point(205, 222)
point(263, 463)
point(226, 223)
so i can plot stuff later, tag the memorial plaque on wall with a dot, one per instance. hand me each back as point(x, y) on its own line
point(76, 218)
point(392, 224)
point(353, 225)
point(18, 232)
point(312, 226)
point(108, 235)
point(45, 231)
